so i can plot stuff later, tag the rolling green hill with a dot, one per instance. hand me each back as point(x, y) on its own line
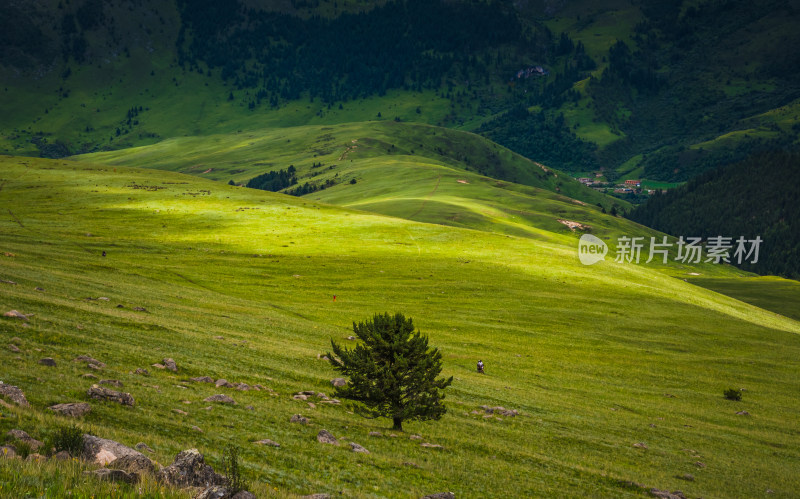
point(237, 283)
point(659, 92)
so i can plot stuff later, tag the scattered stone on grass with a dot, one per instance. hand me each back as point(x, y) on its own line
point(410, 464)
point(430, 446)
point(13, 394)
point(88, 376)
point(62, 456)
point(297, 418)
point(72, 409)
point(375, 434)
point(221, 398)
point(268, 442)
point(357, 448)
point(189, 470)
point(7, 452)
point(112, 382)
point(742, 413)
point(325, 437)
point(202, 379)
point(178, 411)
point(90, 361)
point(337, 382)
point(686, 476)
point(158, 366)
point(640, 445)
point(441, 495)
point(170, 364)
point(47, 361)
point(223, 383)
point(140, 309)
point(14, 348)
point(141, 371)
point(133, 463)
point(415, 437)
point(24, 437)
point(700, 464)
point(102, 393)
point(17, 315)
point(197, 429)
point(663, 494)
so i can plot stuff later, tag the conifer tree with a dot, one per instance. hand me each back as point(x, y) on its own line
point(392, 372)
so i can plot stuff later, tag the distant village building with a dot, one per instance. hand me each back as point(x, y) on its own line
point(634, 183)
point(586, 181)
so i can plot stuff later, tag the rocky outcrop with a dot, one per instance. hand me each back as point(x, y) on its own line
point(73, 410)
point(133, 463)
point(297, 418)
point(13, 394)
point(170, 364)
point(90, 361)
point(337, 382)
point(101, 393)
point(357, 448)
point(113, 475)
point(190, 470)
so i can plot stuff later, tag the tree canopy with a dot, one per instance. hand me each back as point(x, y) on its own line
point(392, 372)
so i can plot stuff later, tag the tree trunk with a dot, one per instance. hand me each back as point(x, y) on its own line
point(398, 424)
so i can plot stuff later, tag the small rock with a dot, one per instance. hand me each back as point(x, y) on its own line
point(250, 408)
point(351, 338)
point(375, 434)
point(62, 456)
point(415, 437)
point(687, 476)
point(243, 494)
point(17, 315)
point(7, 452)
point(221, 398)
point(700, 464)
point(742, 413)
point(37, 288)
point(299, 397)
point(215, 492)
point(219, 337)
point(223, 383)
point(24, 437)
point(640, 445)
point(197, 429)
point(202, 379)
point(337, 382)
point(73, 409)
point(297, 418)
point(141, 371)
point(178, 411)
point(113, 475)
point(104, 298)
point(88, 376)
point(441, 495)
point(112, 382)
point(170, 364)
point(312, 405)
point(14, 348)
point(140, 309)
point(663, 494)
point(357, 448)
point(410, 464)
point(308, 393)
point(94, 366)
point(47, 361)
point(316, 496)
point(13, 394)
point(89, 360)
point(430, 446)
point(101, 393)
point(325, 437)
point(143, 447)
point(268, 442)
point(158, 366)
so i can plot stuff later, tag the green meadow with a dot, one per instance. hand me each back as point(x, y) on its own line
point(617, 370)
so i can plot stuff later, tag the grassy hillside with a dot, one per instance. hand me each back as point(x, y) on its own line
point(596, 359)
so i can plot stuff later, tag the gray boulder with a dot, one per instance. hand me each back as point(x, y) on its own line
point(357, 448)
point(103, 451)
point(190, 470)
point(73, 410)
point(113, 475)
point(326, 437)
point(101, 393)
point(47, 361)
point(441, 495)
point(202, 379)
point(221, 398)
point(337, 382)
point(24, 437)
point(297, 418)
point(133, 463)
point(170, 364)
point(13, 394)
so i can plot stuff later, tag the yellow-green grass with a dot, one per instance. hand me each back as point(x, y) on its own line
point(339, 148)
point(588, 355)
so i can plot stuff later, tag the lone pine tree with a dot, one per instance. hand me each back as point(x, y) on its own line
point(392, 373)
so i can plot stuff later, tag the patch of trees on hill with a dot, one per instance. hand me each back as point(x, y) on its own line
point(401, 44)
point(274, 180)
point(759, 196)
point(690, 74)
point(542, 137)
